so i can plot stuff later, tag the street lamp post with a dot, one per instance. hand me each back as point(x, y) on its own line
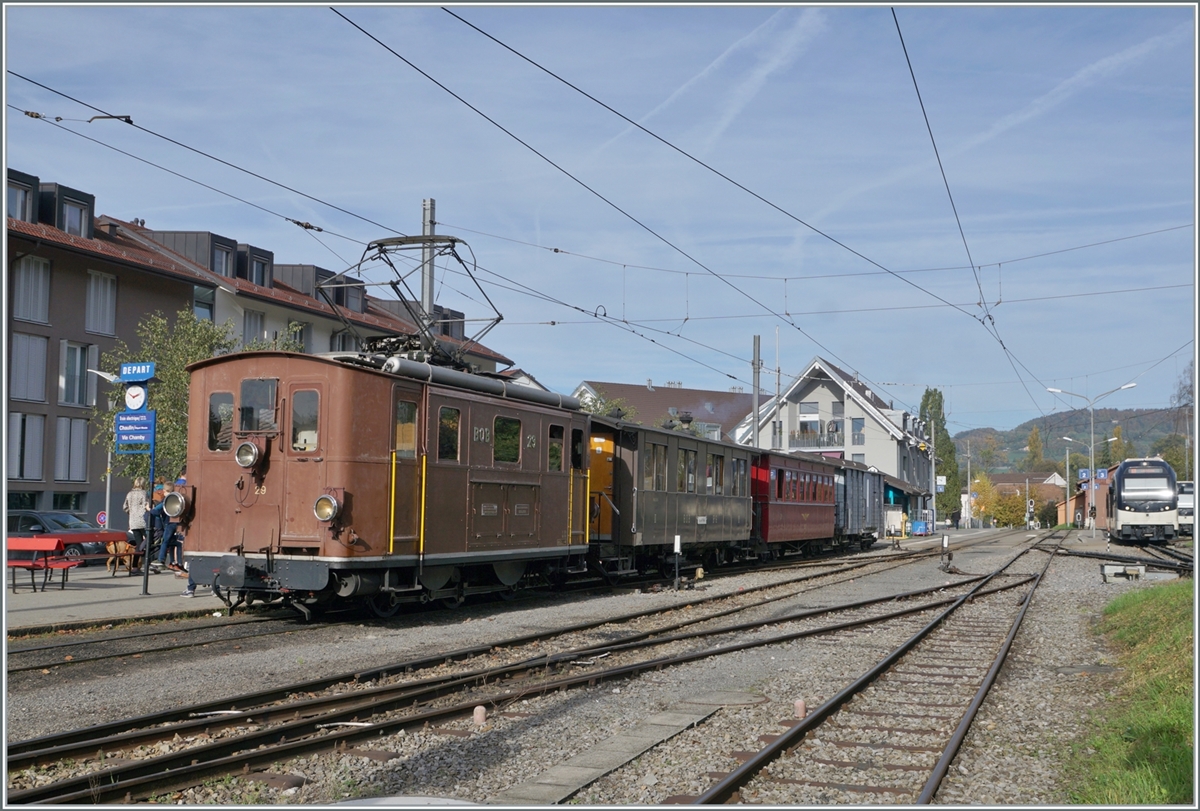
point(1092, 459)
point(108, 473)
point(1091, 477)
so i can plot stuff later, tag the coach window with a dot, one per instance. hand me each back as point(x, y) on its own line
point(506, 439)
point(577, 449)
point(738, 475)
point(685, 477)
point(655, 477)
point(714, 478)
point(220, 421)
point(777, 475)
point(405, 437)
point(448, 433)
point(304, 420)
point(257, 410)
point(554, 449)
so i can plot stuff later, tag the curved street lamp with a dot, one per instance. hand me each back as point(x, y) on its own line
point(1092, 451)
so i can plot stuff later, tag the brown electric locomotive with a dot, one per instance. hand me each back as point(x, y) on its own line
point(318, 478)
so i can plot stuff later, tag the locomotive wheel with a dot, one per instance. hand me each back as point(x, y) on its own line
point(381, 605)
point(451, 602)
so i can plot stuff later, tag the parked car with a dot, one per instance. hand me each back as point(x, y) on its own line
point(79, 536)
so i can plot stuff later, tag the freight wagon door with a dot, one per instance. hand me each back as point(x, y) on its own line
point(304, 467)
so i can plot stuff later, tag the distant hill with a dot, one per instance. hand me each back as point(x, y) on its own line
point(1143, 427)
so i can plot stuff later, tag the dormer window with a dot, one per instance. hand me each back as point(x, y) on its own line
point(73, 218)
point(20, 202)
point(222, 261)
point(258, 271)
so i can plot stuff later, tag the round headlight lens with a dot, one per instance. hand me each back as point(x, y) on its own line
point(326, 508)
point(246, 454)
point(174, 504)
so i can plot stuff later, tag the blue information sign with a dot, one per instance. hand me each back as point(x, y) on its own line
point(137, 372)
point(1101, 474)
point(1084, 473)
point(135, 428)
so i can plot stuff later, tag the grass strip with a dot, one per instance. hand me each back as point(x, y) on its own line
point(1142, 748)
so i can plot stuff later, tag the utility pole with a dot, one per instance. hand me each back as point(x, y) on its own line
point(428, 223)
point(756, 365)
point(777, 427)
point(970, 501)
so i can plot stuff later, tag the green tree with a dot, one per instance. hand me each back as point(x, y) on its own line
point(1173, 449)
point(946, 458)
point(986, 498)
point(1104, 454)
point(603, 405)
point(1009, 510)
point(171, 347)
point(1034, 461)
point(1047, 513)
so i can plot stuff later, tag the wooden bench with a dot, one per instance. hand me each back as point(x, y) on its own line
point(50, 550)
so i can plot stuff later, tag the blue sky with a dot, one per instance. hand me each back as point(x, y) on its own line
point(1057, 128)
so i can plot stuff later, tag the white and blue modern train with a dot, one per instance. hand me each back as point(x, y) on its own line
point(1143, 502)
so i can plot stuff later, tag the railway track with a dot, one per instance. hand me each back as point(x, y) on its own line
point(109, 763)
point(890, 735)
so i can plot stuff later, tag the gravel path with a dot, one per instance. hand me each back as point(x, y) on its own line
point(1013, 755)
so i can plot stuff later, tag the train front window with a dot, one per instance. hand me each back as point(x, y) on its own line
point(448, 433)
point(405, 438)
point(304, 420)
point(1137, 485)
point(554, 449)
point(257, 410)
point(220, 421)
point(506, 439)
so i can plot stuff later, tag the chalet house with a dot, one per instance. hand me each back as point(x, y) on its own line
point(828, 411)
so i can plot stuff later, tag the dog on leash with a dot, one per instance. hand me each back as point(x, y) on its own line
point(120, 553)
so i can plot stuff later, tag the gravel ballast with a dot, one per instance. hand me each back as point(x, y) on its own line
point(1014, 753)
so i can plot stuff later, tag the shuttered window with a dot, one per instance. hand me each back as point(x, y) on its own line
point(70, 450)
point(28, 380)
point(101, 315)
point(31, 289)
point(25, 433)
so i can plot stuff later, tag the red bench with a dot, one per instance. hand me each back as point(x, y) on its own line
point(51, 559)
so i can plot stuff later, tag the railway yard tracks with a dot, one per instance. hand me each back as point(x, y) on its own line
point(882, 738)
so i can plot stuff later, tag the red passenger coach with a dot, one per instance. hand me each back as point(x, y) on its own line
point(323, 478)
point(793, 499)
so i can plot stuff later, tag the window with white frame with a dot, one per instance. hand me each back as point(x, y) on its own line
point(222, 259)
point(31, 289)
point(73, 218)
point(101, 315)
point(27, 380)
point(252, 326)
point(25, 433)
point(70, 450)
point(20, 202)
point(75, 385)
point(204, 303)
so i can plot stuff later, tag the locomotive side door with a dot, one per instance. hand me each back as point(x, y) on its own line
point(404, 471)
point(303, 451)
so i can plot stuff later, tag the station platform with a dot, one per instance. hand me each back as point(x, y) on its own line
point(94, 596)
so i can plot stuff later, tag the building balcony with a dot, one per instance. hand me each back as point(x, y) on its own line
point(806, 440)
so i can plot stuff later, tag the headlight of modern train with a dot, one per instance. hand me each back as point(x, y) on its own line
point(326, 508)
point(174, 504)
point(246, 454)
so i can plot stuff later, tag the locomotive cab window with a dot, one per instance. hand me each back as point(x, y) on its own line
point(257, 410)
point(304, 420)
point(554, 449)
point(405, 437)
point(448, 419)
point(506, 439)
point(220, 421)
point(577, 449)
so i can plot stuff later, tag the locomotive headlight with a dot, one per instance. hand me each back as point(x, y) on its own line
point(174, 504)
point(246, 454)
point(326, 508)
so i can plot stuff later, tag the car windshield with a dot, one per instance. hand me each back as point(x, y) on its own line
point(66, 521)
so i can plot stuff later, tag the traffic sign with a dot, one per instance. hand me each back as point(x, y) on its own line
point(974, 494)
point(102, 519)
point(941, 488)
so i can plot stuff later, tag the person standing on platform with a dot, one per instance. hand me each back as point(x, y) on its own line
point(137, 505)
